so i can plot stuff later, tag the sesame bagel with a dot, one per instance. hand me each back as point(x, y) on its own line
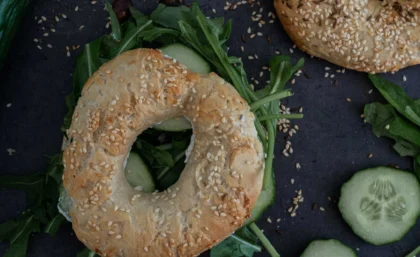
point(365, 35)
point(221, 181)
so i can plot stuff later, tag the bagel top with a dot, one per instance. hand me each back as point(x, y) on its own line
point(214, 194)
point(365, 35)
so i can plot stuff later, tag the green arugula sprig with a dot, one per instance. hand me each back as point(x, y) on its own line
point(398, 120)
point(164, 152)
point(42, 215)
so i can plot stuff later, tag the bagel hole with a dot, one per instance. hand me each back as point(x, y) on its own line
point(162, 150)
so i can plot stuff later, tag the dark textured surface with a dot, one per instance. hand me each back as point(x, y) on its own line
point(331, 145)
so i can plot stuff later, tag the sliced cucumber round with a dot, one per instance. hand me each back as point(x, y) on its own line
point(138, 175)
point(381, 204)
point(188, 57)
point(174, 124)
point(265, 199)
point(328, 248)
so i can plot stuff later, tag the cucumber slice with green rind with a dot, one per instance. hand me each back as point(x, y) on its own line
point(188, 57)
point(195, 63)
point(265, 199)
point(328, 248)
point(415, 253)
point(381, 204)
point(138, 175)
point(174, 124)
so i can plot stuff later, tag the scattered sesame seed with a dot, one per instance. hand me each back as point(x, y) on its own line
point(321, 208)
point(76, 8)
point(404, 78)
point(348, 99)
point(292, 181)
point(10, 151)
point(298, 166)
point(81, 27)
point(94, 2)
point(39, 47)
point(370, 155)
point(49, 45)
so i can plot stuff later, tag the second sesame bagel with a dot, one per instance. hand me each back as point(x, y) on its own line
point(365, 35)
point(221, 181)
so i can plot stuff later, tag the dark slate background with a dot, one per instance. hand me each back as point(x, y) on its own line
point(332, 144)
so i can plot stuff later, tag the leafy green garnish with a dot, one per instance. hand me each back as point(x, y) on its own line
point(388, 123)
point(242, 243)
point(115, 24)
point(42, 215)
point(396, 96)
point(86, 253)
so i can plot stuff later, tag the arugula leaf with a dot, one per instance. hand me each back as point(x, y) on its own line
point(131, 38)
point(86, 64)
point(115, 24)
point(242, 243)
point(168, 16)
point(86, 253)
point(396, 96)
point(405, 148)
point(7, 228)
point(54, 224)
point(20, 236)
point(31, 184)
point(385, 122)
point(155, 157)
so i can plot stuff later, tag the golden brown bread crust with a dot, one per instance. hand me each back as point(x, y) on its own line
point(365, 35)
point(216, 191)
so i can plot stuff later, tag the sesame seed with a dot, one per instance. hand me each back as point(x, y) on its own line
point(348, 99)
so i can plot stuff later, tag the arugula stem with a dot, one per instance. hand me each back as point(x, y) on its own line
point(256, 248)
point(264, 240)
point(291, 116)
point(277, 96)
point(268, 169)
point(166, 169)
point(278, 79)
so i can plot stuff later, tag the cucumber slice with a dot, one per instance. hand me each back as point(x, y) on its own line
point(381, 204)
point(194, 62)
point(265, 199)
point(188, 57)
point(174, 124)
point(328, 248)
point(138, 175)
point(415, 253)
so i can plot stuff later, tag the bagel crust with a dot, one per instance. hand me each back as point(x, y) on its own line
point(365, 35)
point(217, 189)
